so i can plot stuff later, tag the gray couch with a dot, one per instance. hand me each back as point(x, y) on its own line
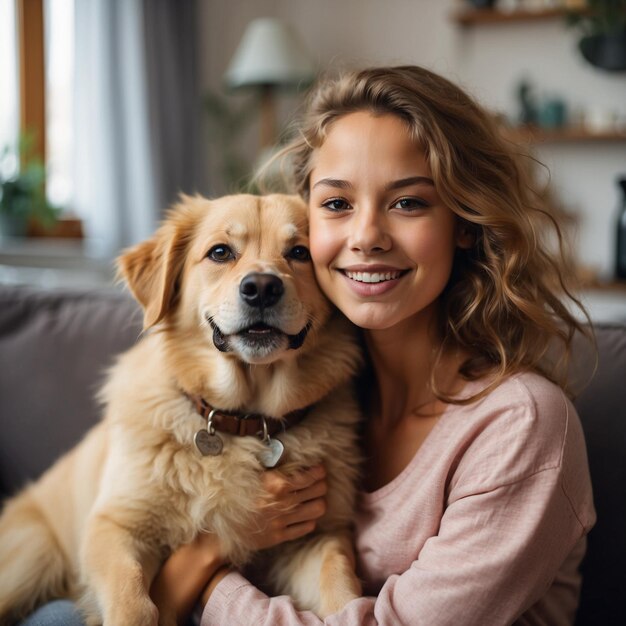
point(55, 346)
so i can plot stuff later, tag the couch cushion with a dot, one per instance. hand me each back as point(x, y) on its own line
point(54, 348)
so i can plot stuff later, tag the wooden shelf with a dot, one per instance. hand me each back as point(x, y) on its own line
point(533, 134)
point(471, 17)
point(615, 286)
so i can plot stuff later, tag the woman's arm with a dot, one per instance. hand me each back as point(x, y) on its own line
point(295, 503)
point(495, 556)
point(508, 543)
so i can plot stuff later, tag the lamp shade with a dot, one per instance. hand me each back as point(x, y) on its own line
point(269, 54)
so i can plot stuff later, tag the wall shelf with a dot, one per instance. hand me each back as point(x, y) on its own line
point(615, 286)
point(473, 17)
point(575, 134)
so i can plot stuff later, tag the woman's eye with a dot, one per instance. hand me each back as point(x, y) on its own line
point(336, 204)
point(410, 204)
point(220, 253)
point(299, 253)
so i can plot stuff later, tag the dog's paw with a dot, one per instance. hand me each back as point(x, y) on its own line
point(333, 600)
point(330, 606)
point(138, 613)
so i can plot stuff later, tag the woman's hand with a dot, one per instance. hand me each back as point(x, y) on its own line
point(293, 505)
point(185, 575)
point(290, 510)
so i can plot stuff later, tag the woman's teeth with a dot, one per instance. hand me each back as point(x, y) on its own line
point(376, 277)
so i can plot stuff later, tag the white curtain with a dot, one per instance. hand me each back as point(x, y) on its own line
point(9, 89)
point(114, 168)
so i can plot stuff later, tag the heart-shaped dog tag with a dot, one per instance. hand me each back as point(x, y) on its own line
point(208, 444)
point(273, 453)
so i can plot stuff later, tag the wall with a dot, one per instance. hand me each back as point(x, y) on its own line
point(487, 60)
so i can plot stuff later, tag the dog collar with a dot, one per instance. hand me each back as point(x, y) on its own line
point(248, 424)
point(209, 443)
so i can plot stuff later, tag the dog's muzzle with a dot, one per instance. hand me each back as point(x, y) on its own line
point(259, 291)
point(220, 340)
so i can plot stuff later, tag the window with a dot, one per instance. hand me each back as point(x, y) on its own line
point(59, 54)
point(87, 88)
point(9, 102)
point(21, 102)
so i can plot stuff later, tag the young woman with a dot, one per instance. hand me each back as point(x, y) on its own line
point(476, 499)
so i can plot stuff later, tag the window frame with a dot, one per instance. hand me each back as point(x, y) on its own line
point(31, 45)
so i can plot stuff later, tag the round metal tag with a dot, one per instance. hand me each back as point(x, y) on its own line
point(208, 444)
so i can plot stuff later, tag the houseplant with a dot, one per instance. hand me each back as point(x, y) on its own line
point(603, 29)
point(22, 194)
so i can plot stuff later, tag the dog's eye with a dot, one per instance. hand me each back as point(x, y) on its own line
point(299, 253)
point(221, 253)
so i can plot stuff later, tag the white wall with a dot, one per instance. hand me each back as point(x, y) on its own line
point(487, 60)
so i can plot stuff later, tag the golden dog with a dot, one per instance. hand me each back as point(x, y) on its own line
point(244, 357)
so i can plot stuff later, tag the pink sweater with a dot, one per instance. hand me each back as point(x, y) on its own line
point(485, 526)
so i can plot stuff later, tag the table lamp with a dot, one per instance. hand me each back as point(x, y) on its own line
point(269, 56)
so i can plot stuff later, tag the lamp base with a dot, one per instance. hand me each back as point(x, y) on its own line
point(268, 117)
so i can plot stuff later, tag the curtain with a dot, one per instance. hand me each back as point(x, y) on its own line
point(175, 104)
point(135, 115)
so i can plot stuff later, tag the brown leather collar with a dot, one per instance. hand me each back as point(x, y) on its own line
point(248, 424)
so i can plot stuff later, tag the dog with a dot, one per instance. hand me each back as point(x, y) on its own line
point(243, 365)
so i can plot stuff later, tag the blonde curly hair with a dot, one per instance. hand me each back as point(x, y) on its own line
point(505, 300)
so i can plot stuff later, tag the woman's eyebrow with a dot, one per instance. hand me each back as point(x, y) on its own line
point(333, 182)
point(337, 183)
point(407, 182)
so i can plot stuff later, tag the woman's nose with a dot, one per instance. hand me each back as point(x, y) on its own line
point(369, 233)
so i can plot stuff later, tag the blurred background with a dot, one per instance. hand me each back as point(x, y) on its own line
point(110, 108)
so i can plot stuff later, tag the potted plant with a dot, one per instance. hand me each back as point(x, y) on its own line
point(603, 27)
point(22, 195)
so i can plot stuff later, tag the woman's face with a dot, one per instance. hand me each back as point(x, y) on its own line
point(381, 240)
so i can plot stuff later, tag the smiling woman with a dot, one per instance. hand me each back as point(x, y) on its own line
point(384, 202)
point(475, 499)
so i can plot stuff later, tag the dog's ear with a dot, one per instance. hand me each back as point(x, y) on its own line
point(153, 268)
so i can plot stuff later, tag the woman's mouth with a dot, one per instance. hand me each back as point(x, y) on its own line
point(373, 282)
point(373, 277)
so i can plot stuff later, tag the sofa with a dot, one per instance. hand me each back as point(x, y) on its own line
point(55, 347)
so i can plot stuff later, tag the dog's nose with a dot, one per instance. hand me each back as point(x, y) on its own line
point(262, 290)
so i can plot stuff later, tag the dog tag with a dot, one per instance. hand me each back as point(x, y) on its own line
point(273, 453)
point(208, 444)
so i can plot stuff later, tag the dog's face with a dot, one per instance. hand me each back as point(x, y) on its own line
point(236, 270)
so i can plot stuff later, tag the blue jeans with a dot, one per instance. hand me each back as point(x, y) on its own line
point(56, 613)
point(64, 613)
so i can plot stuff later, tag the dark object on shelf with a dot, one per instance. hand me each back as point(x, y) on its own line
point(552, 114)
point(620, 252)
point(603, 30)
point(481, 4)
point(607, 52)
point(529, 110)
